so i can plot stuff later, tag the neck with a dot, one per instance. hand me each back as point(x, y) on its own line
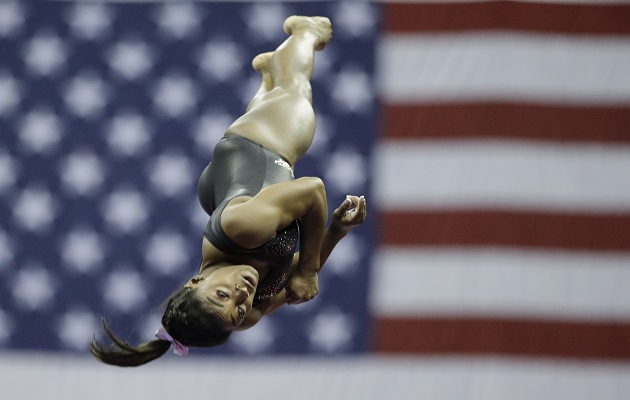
point(207, 267)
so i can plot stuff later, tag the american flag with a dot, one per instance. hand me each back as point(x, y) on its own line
point(109, 112)
point(502, 173)
point(490, 138)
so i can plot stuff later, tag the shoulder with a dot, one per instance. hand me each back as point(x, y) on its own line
point(266, 307)
point(253, 316)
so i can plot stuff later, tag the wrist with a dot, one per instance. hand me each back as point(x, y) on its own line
point(338, 231)
point(308, 265)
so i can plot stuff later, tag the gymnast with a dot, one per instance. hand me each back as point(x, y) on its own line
point(258, 213)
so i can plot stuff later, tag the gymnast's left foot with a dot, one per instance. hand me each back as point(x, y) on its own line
point(261, 62)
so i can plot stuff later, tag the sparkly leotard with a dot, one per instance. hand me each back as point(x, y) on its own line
point(241, 167)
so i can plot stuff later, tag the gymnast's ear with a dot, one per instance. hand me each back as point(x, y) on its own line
point(193, 281)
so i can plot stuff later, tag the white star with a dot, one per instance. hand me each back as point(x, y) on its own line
point(128, 134)
point(125, 290)
point(210, 128)
point(86, 95)
point(179, 20)
point(222, 59)
point(343, 260)
point(330, 331)
point(175, 96)
point(354, 19)
point(45, 54)
point(75, 329)
point(346, 170)
point(125, 210)
point(325, 127)
point(6, 250)
point(40, 131)
point(8, 171)
point(82, 250)
point(166, 252)
point(89, 21)
point(11, 17)
point(6, 326)
point(264, 21)
point(324, 61)
point(82, 173)
point(198, 217)
point(34, 209)
point(256, 340)
point(248, 88)
point(171, 174)
point(10, 93)
point(34, 288)
point(131, 59)
point(352, 90)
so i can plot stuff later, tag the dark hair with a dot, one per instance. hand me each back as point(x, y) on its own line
point(185, 319)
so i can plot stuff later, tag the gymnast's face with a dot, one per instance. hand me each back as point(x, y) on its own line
point(228, 290)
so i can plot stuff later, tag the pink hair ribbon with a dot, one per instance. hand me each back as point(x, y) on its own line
point(178, 348)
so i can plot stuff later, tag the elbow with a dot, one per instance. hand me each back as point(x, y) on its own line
point(318, 188)
point(313, 185)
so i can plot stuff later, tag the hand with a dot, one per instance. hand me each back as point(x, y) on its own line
point(350, 214)
point(302, 287)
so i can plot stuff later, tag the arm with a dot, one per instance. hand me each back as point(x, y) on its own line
point(253, 222)
point(350, 214)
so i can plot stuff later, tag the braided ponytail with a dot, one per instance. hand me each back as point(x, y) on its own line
point(186, 320)
point(124, 354)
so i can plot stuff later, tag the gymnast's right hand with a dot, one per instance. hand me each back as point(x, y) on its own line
point(302, 287)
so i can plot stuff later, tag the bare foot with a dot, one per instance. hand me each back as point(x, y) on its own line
point(320, 26)
point(261, 62)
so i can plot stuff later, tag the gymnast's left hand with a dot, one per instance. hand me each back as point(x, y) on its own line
point(350, 214)
point(302, 287)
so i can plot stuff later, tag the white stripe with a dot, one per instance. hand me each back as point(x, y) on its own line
point(500, 282)
point(495, 174)
point(336, 378)
point(585, 2)
point(504, 65)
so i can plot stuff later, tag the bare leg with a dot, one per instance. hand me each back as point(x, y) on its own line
point(261, 64)
point(282, 119)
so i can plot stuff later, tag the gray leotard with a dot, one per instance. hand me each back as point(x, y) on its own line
point(241, 167)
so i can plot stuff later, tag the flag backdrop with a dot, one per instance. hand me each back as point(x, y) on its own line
point(491, 140)
point(109, 112)
point(502, 174)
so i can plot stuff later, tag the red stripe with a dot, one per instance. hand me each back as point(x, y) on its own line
point(510, 228)
point(502, 120)
point(506, 337)
point(501, 15)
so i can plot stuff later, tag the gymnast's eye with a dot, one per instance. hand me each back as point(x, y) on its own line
point(222, 295)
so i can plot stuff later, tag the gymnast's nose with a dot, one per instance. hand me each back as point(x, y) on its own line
point(241, 295)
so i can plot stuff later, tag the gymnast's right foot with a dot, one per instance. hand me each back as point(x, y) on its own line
point(320, 26)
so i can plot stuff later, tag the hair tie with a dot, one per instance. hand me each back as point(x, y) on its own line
point(178, 348)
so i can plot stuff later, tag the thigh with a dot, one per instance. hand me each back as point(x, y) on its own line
point(280, 121)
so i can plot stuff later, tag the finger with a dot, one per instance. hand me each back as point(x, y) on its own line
point(339, 212)
point(295, 301)
point(362, 207)
point(354, 200)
